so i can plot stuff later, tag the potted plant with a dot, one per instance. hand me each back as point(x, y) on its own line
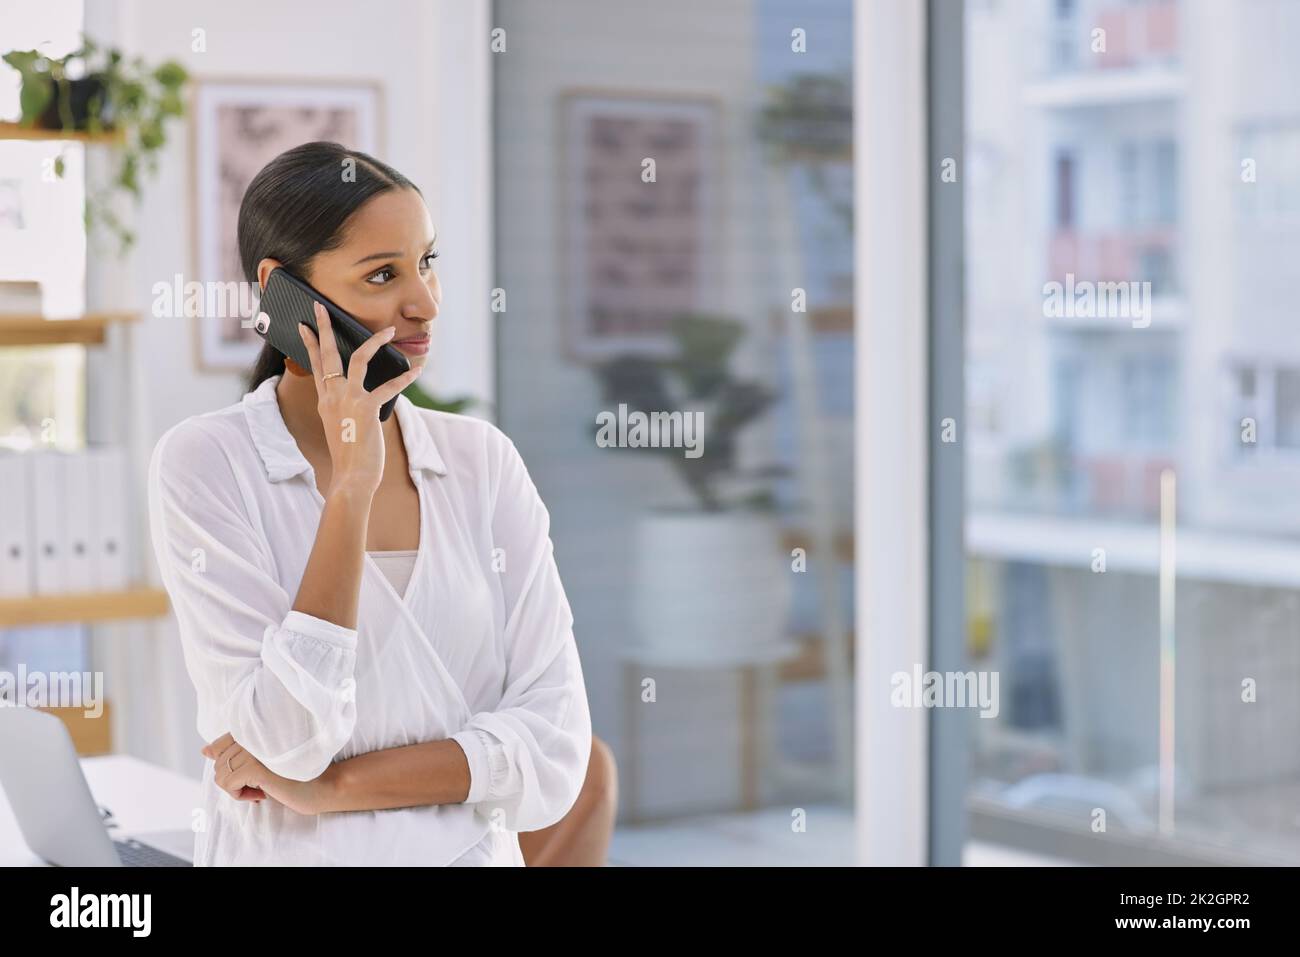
point(96, 90)
point(711, 583)
point(808, 122)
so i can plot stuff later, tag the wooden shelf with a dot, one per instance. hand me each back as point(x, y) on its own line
point(32, 330)
point(826, 319)
point(793, 538)
point(90, 736)
point(810, 663)
point(16, 131)
point(138, 602)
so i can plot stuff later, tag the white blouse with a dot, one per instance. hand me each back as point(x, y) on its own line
point(480, 649)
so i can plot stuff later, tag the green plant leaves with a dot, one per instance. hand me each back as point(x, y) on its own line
point(127, 177)
point(420, 398)
point(137, 100)
point(171, 75)
point(171, 104)
point(705, 344)
point(24, 61)
point(34, 97)
point(37, 87)
point(698, 375)
point(151, 134)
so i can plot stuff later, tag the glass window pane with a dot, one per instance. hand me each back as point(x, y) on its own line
point(677, 239)
point(1130, 323)
point(1288, 408)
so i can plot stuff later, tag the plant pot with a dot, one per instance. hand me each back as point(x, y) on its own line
point(80, 93)
point(711, 588)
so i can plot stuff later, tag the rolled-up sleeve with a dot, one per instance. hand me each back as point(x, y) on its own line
point(278, 680)
point(528, 756)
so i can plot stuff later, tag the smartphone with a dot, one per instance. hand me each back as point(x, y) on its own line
point(287, 301)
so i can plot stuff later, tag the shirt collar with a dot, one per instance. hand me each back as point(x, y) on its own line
point(280, 453)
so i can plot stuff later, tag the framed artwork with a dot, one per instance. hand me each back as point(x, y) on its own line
point(236, 128)
point(636, 253)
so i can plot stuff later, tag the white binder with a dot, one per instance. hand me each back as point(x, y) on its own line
point(109, 496)
point(15, 530)
point(45, 474)
point(78, 507)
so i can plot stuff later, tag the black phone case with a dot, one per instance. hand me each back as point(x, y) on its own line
point(288, 301)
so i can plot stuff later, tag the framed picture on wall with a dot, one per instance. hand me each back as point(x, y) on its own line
point(639, 218)
point(236, 128)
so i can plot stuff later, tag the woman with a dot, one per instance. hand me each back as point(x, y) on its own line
point(370, 611)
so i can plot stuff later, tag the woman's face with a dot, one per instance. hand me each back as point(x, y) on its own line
point(382, 273)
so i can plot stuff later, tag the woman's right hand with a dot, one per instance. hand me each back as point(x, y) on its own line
point(349, 413)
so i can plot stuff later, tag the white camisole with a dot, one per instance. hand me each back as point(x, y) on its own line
point(397, 567)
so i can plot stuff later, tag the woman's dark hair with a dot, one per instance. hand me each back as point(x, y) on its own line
point(296, 206)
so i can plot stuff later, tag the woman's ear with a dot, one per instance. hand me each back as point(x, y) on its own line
point(264, 270)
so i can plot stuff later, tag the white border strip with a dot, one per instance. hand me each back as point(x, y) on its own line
point(891, 432)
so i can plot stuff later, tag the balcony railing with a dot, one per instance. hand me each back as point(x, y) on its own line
point(1119, 485)
point(1136, 35)
point(1146, 255)
point(1047, 478)
point(1139, 34)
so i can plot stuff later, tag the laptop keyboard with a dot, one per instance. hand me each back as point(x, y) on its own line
point(135, 854)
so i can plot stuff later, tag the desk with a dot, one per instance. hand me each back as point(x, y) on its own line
point(143, 797)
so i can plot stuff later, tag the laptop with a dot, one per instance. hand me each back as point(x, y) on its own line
point(56, 813)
